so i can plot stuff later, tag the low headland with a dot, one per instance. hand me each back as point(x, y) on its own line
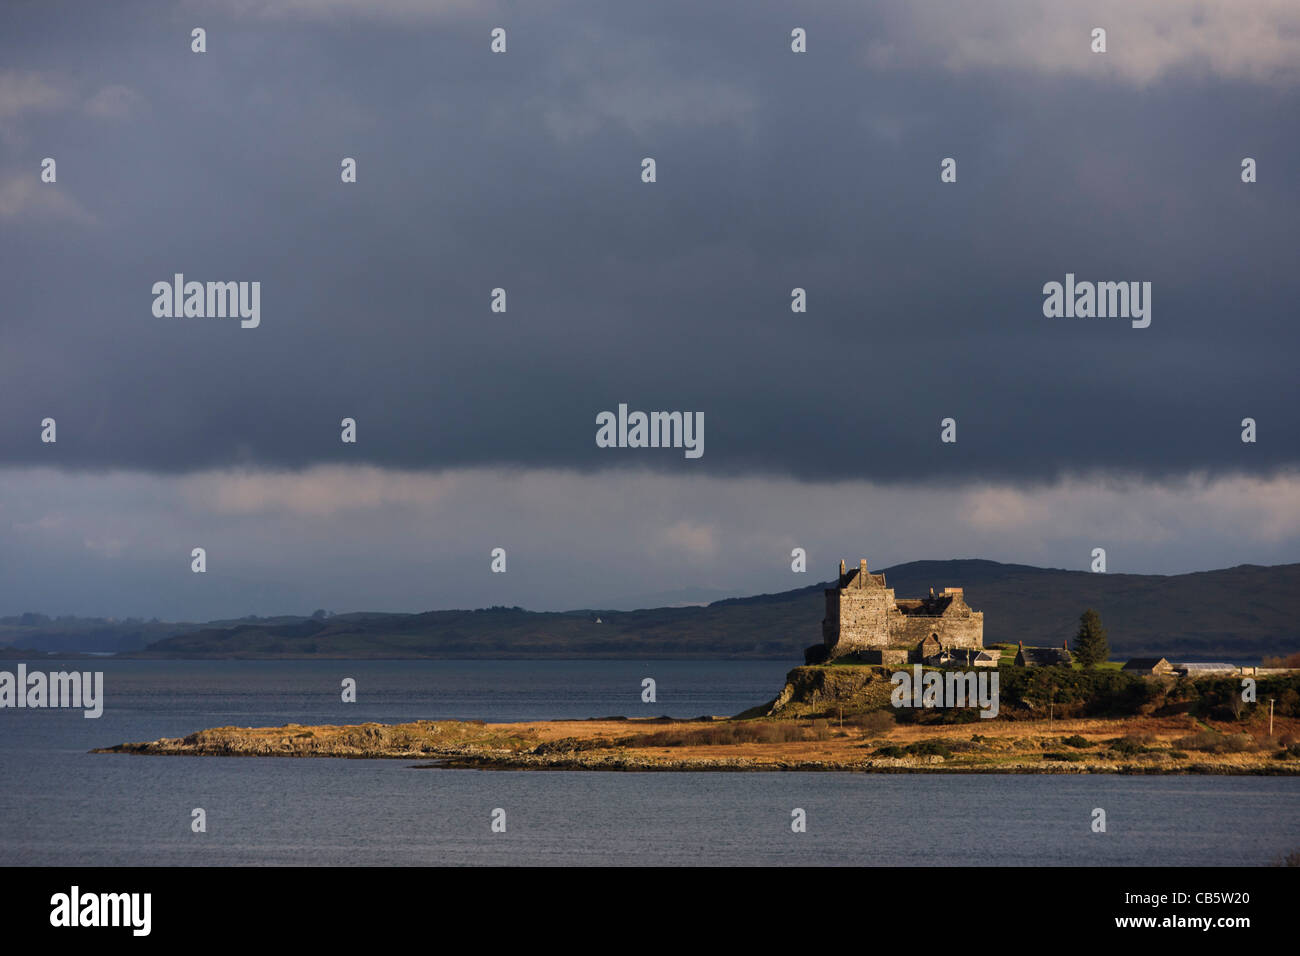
point(845, 717)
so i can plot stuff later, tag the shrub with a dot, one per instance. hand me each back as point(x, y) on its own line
point(1288, 702)
point(1075, 693)
point(1132, 744)
point(1210, 741)
point(1202, 740)
point(873, 722)
point(1291, 660)
point(740, 732)
point(890, 751)
point(926, 748)
point(1237, 743)
point(1076, 741)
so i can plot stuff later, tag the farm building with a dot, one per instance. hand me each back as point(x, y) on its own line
point(1149, 665)
point(1043, 656)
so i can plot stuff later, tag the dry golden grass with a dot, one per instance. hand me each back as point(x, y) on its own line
point(985, 744)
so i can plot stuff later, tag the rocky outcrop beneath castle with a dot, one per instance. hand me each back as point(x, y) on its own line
point(821, 691)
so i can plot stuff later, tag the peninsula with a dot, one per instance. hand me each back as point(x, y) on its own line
point(1142, 746)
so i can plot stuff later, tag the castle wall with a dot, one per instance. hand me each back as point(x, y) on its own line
point(831, 622)
point(887, 657)
point(957, 631)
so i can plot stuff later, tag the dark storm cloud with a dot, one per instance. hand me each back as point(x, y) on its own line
point(522, 171)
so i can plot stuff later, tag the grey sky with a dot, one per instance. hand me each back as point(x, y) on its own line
point(775, 170)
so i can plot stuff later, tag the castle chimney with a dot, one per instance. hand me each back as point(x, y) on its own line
point(1020, 644)
point(1065, 645)
point(862, 568)
point(841, 567)
point(931, 592)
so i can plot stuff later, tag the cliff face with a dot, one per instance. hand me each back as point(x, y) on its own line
point(820, 691)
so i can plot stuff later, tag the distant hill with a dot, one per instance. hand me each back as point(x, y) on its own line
point(102, 635)
point(64, 635)
point(1237, 614)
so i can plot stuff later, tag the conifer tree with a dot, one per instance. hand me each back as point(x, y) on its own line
point(1090, 646)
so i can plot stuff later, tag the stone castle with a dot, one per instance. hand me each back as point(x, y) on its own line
point(863, 617)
